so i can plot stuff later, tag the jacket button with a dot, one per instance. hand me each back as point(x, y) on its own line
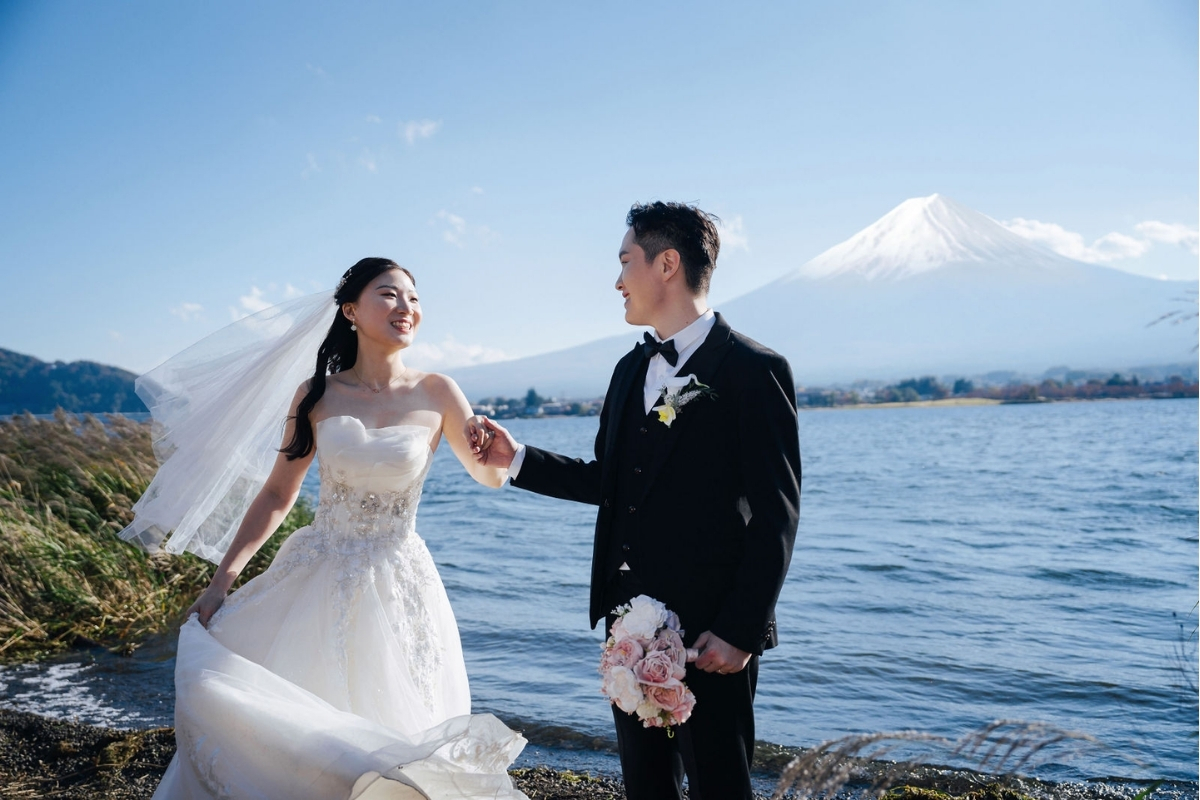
point(642, 429)
point(632, 509)
point(637, 470)
point(607, 503)
point(624, 548)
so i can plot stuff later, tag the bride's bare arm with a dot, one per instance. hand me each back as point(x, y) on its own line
point(262, 519)
point(455, 412)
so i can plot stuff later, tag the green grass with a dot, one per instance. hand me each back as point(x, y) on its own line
point(66, 488)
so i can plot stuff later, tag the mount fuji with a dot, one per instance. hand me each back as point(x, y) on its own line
point(932, 287)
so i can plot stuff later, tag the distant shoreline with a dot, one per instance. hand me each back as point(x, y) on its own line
point(948, 401)
point(980, 401)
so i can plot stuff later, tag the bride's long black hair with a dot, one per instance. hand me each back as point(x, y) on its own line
point(339, 351)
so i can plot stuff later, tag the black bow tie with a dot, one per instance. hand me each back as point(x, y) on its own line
point(666, 349)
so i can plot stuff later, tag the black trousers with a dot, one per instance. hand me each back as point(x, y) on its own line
point(714, 748)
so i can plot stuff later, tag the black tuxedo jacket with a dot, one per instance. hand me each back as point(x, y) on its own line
point(722, 497)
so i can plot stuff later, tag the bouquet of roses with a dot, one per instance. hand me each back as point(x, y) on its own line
point(644, 662)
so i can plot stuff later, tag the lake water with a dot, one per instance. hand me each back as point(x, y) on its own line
point(954, 565)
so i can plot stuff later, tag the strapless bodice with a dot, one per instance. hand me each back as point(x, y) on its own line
point(371, 478)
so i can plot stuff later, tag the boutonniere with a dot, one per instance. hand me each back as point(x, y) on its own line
point(677, 393)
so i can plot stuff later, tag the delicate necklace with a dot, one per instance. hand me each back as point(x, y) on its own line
point(361, 382)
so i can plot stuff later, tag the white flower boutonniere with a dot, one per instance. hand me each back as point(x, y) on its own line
point(677, 393)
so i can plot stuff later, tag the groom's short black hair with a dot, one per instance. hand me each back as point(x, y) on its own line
point(660, 226)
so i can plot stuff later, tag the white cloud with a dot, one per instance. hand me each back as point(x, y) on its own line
point(1118, 246)
point(367, 159)
point(733, 234)
point(418, 129)
point(476, 190)
point(290, 291)
point(374, 120)
point(249, 304)
point(450, 353)
point(318, 72)
point(188, 311)
point(1109, 247)
point(116, 336)
point(1171, 233)
point(456, 230)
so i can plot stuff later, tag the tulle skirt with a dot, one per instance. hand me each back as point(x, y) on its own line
point(333, 675)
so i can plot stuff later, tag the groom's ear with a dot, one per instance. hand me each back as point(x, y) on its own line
point(669, 263)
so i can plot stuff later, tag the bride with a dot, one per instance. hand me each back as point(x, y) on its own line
point(336, 673)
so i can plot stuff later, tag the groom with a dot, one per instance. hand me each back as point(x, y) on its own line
point(700, 513)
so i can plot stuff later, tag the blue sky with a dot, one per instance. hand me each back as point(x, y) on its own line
point(168, 166)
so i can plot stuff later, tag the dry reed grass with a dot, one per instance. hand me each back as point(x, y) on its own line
point(67, 486)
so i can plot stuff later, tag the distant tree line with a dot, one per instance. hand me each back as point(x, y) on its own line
point(534, 405)
point(930, 388)
point(39, 387)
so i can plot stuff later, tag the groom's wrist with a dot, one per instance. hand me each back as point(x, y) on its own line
point(517, 460)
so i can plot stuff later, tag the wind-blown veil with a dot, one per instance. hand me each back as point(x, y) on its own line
point(219, 409)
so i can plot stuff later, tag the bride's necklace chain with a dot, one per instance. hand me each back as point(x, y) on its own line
point(365, 385)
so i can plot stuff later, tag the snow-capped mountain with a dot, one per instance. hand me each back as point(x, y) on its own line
point(925, 234)
point(932, 287)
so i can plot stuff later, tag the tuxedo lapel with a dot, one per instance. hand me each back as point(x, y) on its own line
point(703, 364)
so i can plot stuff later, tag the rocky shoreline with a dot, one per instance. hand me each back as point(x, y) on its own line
point(42, 757)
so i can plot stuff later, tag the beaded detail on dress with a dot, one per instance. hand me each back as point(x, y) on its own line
point(344, 510)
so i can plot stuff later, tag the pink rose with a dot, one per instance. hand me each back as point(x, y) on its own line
point(668, 641)
point(676, 700)
point(658, 669)
point(623, 653)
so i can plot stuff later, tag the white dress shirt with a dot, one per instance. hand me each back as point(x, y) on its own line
point(687, 342)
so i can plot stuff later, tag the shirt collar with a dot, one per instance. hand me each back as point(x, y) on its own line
point(698, 328)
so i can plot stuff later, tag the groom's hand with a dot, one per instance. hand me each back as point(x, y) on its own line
point(718, 655)
point(491, 444)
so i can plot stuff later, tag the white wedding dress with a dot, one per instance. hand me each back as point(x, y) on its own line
point(338, 672)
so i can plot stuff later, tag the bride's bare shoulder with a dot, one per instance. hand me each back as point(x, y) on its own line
point(336, 381)
point(433, 381)
point(439, 386)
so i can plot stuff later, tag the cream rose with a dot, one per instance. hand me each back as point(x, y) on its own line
point(650, 714)
point(622, 688)
point(644, 618)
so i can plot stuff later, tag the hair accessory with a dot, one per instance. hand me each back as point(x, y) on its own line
point(342, 283)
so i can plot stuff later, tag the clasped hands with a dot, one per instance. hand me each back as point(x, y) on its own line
point(491, 444)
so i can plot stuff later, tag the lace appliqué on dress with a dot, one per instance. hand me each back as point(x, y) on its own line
point(370, 541)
